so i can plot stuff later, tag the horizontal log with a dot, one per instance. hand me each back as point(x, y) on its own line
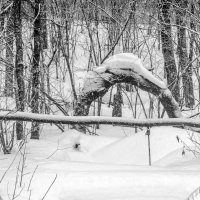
point(43, 118)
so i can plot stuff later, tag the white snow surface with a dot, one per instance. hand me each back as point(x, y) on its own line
point(129, 61)
point(118, 152)
point(112, 165)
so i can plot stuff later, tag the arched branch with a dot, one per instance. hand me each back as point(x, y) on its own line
point(124, 68)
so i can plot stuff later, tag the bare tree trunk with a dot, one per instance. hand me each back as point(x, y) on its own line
point(44, 33)
point(192, 36)
point(2, 18)
point(190, 67)
point(19, 66)
point(44, 45)
point(35, 69)
point(9, 76)
point(186, 70)
point(117, 102)
point(48, 90)
point(167, 48)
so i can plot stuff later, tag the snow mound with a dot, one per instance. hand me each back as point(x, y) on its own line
point(128, 61)
point(87, 143)
point(176, 159)
point(133, 150)
point(78, 146)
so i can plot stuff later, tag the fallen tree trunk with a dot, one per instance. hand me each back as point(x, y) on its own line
point(43, 118)
point(124, 68)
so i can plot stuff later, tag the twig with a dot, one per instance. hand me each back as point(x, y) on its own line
point(58, 149)
point(10, 164)
point(29, 195)
point(117, 40)
point(16, 179)
point(194, 194)
point(23, 163)
point(6, 9)
point(19, 192)
point(49, 188)
point(37, 13)
point(143, 107)
point(56, 103)
point(32, 177)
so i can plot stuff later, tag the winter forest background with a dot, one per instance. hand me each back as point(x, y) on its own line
point(49, 52)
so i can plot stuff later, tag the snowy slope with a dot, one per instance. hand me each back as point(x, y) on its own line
point(68, 173)
point(134, 149)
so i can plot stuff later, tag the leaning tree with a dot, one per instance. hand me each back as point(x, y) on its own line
point(124, 68)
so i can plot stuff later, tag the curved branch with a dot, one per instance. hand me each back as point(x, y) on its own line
point(124, 68)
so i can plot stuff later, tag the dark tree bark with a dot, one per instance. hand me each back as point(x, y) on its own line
point(192, 36)
point(184, 67)
point(35, 69)
point(2, 22)
point(44, 33)
point(9, 39)
point(167, 48)
point(19, 66)
point(117, 103)
point(190, 67)
point(2, 16)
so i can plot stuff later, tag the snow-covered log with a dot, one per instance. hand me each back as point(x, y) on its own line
point(43, 118)
point(124, 68)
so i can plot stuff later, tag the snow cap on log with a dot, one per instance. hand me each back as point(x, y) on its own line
point(131, 62)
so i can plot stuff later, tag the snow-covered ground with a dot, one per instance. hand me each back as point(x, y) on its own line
point(113, 165)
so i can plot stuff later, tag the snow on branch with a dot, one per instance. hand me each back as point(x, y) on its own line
point(124, 68)
point(43, 118)
point(130, 62)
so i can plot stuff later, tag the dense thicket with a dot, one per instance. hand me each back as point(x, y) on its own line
point(48, 46)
